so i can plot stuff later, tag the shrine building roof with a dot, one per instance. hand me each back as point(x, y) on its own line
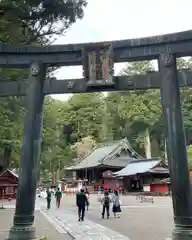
point(108, 154)
point(10, 172)
point(141, 166)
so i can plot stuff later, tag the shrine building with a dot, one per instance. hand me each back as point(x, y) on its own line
point(8, 183)
point(146, 175)
point(103, 166)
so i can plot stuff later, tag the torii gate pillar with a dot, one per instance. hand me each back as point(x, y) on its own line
point(23, 224)
point(176, 147)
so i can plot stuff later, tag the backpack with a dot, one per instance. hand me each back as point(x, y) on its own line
point(106, 200)
point(58, 194)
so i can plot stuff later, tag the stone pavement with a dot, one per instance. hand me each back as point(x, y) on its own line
point(11, 204)
point(44, 227)
point(138, 221)
point(87, 230)
point(65, 223)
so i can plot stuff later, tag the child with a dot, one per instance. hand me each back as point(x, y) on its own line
point(116, 204)
point(106, 204)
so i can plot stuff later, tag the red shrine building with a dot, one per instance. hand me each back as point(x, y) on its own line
point(8, 183)
point(146, 175)
point(116, 165)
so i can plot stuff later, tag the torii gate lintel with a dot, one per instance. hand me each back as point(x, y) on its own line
point(146, 81)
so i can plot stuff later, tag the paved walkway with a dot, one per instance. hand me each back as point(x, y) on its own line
point(11, 205)
point(138, 221)
point(65, 221)
point(44, 227)
point(87, 230)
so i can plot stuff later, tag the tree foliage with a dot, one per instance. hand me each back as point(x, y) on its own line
point(35, 22)
point(31, 21)
point(84, 113)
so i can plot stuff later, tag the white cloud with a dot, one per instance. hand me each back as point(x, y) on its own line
point(124, 19)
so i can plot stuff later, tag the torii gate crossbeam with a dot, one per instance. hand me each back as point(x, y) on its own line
point(121, 83)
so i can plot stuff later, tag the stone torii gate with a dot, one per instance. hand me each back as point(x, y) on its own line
point(98, 60)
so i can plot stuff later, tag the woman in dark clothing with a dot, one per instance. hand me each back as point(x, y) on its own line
point(116, 204)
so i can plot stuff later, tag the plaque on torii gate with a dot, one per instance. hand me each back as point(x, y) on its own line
point(98, 65)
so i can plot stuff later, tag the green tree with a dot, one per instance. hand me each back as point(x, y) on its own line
point(134, 111)
point(139, 67)
point(189, 153)
point(84, 113)
point(140, 112)
point(37, 21)
point(33, 22)
point(55, 153)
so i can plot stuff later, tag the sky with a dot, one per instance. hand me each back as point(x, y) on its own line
point(106, 20)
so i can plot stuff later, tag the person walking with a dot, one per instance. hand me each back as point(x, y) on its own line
point(106, 204)
point(81, 202)
point(116, 204)
point(58, 196)
point(99, 191)
point(48, 198)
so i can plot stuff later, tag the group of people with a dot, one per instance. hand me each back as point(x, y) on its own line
point(58, 196)
point(107, 200)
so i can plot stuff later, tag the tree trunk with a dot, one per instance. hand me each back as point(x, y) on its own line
point(155, 148)
point(165, 151)
point(147, 144)
point(105, 130)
